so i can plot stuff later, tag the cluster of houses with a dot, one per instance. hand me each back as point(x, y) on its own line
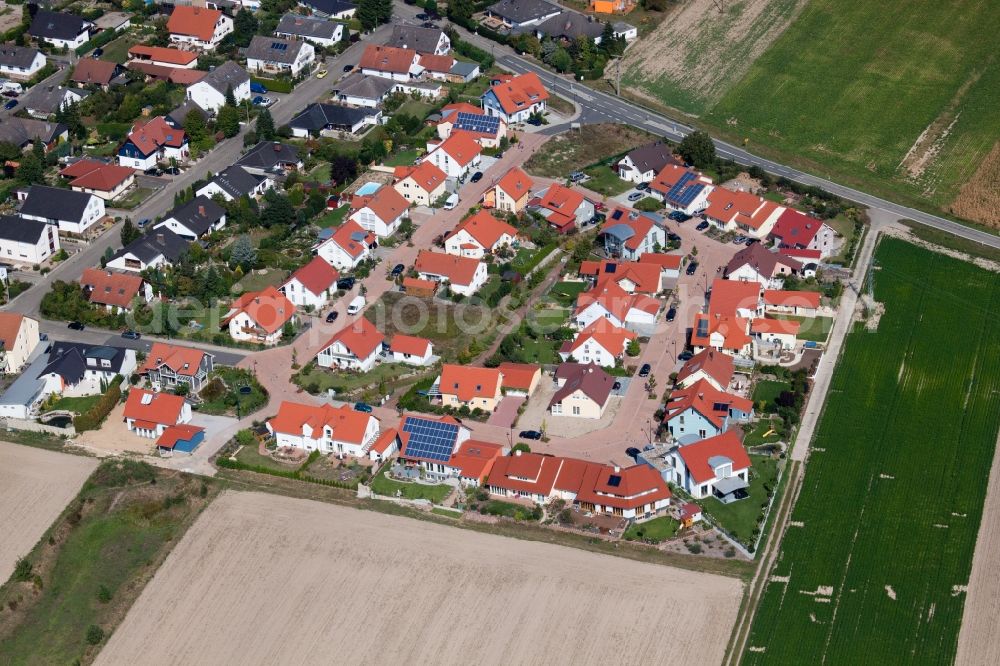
point(542, 19)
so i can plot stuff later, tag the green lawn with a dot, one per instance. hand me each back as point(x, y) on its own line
point(382, 485)
point(402, 158)
point(332, 218)
point(816, 329)
point(255, 281)
point(416, 108)
point(894, 492)
point(654, 531)
point(117, 50)
point(565, 293)
point(756, 436)
point(132, 198)
point(249, 455)
point(222, 392)
point(604, 180)
point(320, 173)
point(768, 391)
point(318, 380)
point(78, 405)
point(740, 518)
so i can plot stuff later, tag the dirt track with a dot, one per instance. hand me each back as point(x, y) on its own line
point(35, 486)
point(264, 579)
point(979, 638)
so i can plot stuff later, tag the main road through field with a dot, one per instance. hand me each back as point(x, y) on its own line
point(598, 107)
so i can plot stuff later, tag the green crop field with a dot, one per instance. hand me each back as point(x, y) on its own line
point(884, 530)
point(853, 85)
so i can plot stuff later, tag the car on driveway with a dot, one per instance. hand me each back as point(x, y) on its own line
point(348, 69)
point(172, 171)
point(671, 314)
point(476, 177)
point(260, 100)
point(704, 225)
point(635, 196)
point(98, 52)
point(644, 370)
point(679, 216)
point(739, 240)
point(398, 269)
point(363, 407)
point(143, 222)
point(642, 187)
point(422, 17)
point(685, 355)
point(617, 386)
point(331, 316)
point(345, 283)
point(672, 237)
point(751, 241)
point(77, 326)
point(153, 171)
point(530, 434)
point(131, 335)
point(632, 452)
point(257, 88)
point(10, 104)
point(692, 268)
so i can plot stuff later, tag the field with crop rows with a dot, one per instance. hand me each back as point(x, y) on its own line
point(876, 560)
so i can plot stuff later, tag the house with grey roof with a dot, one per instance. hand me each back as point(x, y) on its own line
point(60, 29)
point(210, 92)
point(20, 63)
point(268, 158)
point(45, 101)
point(178, 116)
point(337, 9)
point(582, 391)
point(642, 164)
point(274, 55)
point(27, 241)
point(194, 219)
point(23, 131)
point(76, 369)
point(321, 32)
point(425, 41)
point(319, 119)
point(72, 212)
point(568, 26)
point(235, 182)
point(363, 90)
point(520, 14)
point(159, 248)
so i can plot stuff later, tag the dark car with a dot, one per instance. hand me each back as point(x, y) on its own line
point(751, 241)
point(363, 407)
point(673, 237)
point(421, 17)
point(131, 335)
point(679, 216)
point(98, 52)
point(617, 386)
point(77, 326)
point(153, 171)
point(345, 283)
point(10, 104)
point(398, 269)
point(703, 226)
point(172, 171)
point(257, 88)
point(348, 68)
point(331, 316)
point(632, 452)
point(642, 187)
point(671, 314)
point(430, 24)
point(143, 222)
point(692, 268)
point(685, 355)
point(644, 370)
point(476, 177)
point(10, 93)
point(530, 434)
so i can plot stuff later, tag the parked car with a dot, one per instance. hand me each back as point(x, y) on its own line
point(331, 316)
point(751, 241)
point(685, 355)
point(577, 176)
point(153, 171)
point(430, 24)
point(704, 225)
point(363, 407)
point(10, 104)
point(356, 305)
point(260, 100)
point(131, 335)
point(679, 216)
point(257, 88)
point(739, 240)
point(530, 434)
point(671, 236)
point(422, 17)
point(398, 270)
point(632, 452)
point(77, 326)
point(476, 177)
point(321, 74)
point(692, 268)
point(642, 187)
point(671, 314)
point(10, 93)
point(348, 68)
point(143, 222)
point(98, 52)
point(172, 171)
point(635, 196)
point(644, 370)
point(345, 283)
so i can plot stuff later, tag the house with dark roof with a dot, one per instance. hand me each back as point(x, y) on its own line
point(23, 131)
point(25, 241)
point(584, 391)
point(709, 365)
point(94, 72)
point(159, 248)
point(178, 116)
point(274, 55)
point(570, 26)
point(235, 182)
point(363, 90)
point(60, 29)
point(318, 31)
point(150, 141)
point(47, 100)
point(210, 92)
point(520, 14)
point(194, 219)
point(798, 231)
point(270, 158)
point(20, 63)
point(72, 212)
point(168, 366)
point(329, 119)
point(759, 264)
point(75, 369)
point(425, 41)
point(336, 9)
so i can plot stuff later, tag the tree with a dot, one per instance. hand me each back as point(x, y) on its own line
point(245, 26)
point(607, 37)
point(369, 12)
point(561, 60)
point(279, 210)
point(343, 168)
point(265, 126)
point(243, 254)
point(697, 149)
point(30, 170)
point(129, 232)
point(633, 348)
point(194, 126)
point(460, 11)
point(230, 97)
point(228, 121)
point(431, 7)
point(38, 150)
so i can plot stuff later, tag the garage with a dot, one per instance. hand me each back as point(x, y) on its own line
point(182, 438)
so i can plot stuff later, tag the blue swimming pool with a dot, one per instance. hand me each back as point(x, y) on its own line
point(367, 188)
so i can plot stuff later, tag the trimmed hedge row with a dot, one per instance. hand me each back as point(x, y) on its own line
point(102, 38)
point(92, 418)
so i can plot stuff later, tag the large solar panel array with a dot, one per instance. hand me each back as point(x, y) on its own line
point(684, 192)
point(473, 122)
point(429, 439)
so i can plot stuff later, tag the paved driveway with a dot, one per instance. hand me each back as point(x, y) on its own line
point(506, 411)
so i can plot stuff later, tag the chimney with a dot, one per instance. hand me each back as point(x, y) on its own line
point(617, 469)
point(110, 273)
point(277, 147)
point(161, 239)
point(518, 452)
point(201, 211)
point(257, 300)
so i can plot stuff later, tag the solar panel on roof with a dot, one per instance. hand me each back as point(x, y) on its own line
point(279, 46)
point(429, 439)
point(477, 123)
point(614, 480)
point(703, 328)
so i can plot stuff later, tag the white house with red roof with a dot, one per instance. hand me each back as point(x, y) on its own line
point(682, 189)
point(609, 301)
point(151, 141)
point(452, 453)
point(772, 335)
point(381, 213)
point(708, 365)
point(411, 350)
point(313, 285)
point(513, 191)
point(324, 428)
point(390, 62)
point(148, 414)
point(421, 185)
point(107, 181)
point(357, 347)
point(628, 234)
point(701, 411)
point(520, 379)
point(758, 264)
point(259, 316)
point(724, 333)
point(167, 366)
point(463, 116)
point(799, 231)
point(468, 386)
point(516, 99)
point(670, 264)
point(478, 235)
point(601, 343)
point(462, 275)
point(715, 467)
point(198, 27)
point(563, 208)
point(348, 246)
point(457, 155)
point(634, 277)
point(742, 212)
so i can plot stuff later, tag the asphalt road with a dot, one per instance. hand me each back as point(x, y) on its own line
point(59, 331)
point(601, 107)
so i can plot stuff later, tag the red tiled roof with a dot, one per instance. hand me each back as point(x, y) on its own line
point(162, 54)
point(739, 207)
point(195, 21)
point(563, 202)
point(417, 283)
point(458, 270)
point(317, 276)
point(515, 183)
point(644, 275)
point(732, 329)
point(615, 300)
point(468, 382)
point(795, 229)
point(360, 337)
point(10, 326)
point(89, 70)
point(347, 424)
point(182, 360)
point(639, 224)
point(801, 299)
point(634, 486)
point(180, 76)
point(697, 455)
point(520, 92)
point(409, 344)
point(386, 203)
point(603, 332)
point(485, 229)
point(518, 375)
point(109, 288)
point(81, 167)
point(730, 296)
point(671, 174)
point(461, 147)
point(387, 59)
point(664, 261)
point(761, 260)
point(801, 254)
point(150, 135)
point(437, 63)
point(176, 433)
point(105, 178)
point(268, 309)
point(384, 441)
point(704, 399)
point(346, 238)
point(713, 363)
point(475, 459)
point(426, 175)
point(157, 408)
point(525, 472)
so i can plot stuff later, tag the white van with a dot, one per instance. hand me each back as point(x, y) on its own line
point(356, 305)
point(11, 86)
point(451, 202)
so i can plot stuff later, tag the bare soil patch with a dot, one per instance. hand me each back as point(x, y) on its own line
point(262, 579)
point(979, 198)
point(35, 486)
point(571, 151)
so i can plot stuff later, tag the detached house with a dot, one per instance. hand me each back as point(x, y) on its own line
point(421, 185)
point(210, 92)
point(324, 428)
point(312, 285)
point(715, 467)
point(634, 277)
point(235, 182)
point(356, 347)
point(584, 391)
point(18, 338)
point(198, 27)
point(331, 119)
point(348, 246)
point(520, 378)
point(271, 157)
point(362, 90)
point(148, 414)
point(701, 411)
point(798, 231)
point(709, 365)
point(609, 301)
point(629, 234)
point(456, 156)
point(642, 164)
point(335, 9)
point(463, 275)
point(259, 316)
point(169, 366)
point(563, 208)
point(381, 213)
point(151, 141)
point(742, 212)
point(107, 181)
point(94, 72)
point(24, 241)
point(20, 63)
point(432, 41)
point(723, 333)
point(195, 219)
point(72, 212)
point(318, 31)
point(512, 192)
point(158, 249)
point(773, 335)
point(479, 235)
point(115, 291)
point(601, 343)
point(75, 369)
point(163, 57)
point(391, 63)
point(411, 350)
point(735, 299)
point(486, 130)
point(274, 55)
point(48, 100)
point(467, 386)
point(517, 99)
point(799, 303)
point(522, 13)
point(681, 189)
point(758, 264)
point(60, 29)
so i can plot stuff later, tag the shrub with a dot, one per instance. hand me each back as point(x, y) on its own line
point(94, 634)
point(103, 594)
point(22, 570)
point(92, 418)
